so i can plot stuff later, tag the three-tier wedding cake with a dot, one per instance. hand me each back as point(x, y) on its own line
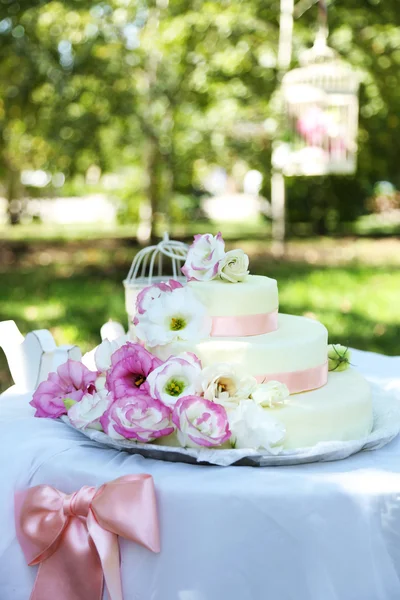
point(248, 334)
point(212, 364)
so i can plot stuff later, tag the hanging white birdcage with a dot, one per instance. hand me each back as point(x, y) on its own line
point(321, 104)
point(153, 264)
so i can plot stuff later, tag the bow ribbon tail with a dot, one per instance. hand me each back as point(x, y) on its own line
point(107, 547)
point(63, 577)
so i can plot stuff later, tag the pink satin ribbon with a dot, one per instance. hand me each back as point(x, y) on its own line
point(299, 381)
point(244, 325)
point(74, 538)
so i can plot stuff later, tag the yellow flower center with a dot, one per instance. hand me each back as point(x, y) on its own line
point(177, 323)
point(139, 379)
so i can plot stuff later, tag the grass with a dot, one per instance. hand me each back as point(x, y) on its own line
point(72, 286)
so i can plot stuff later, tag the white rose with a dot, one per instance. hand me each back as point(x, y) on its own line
point(253, 427)
point(221, 383)
point(234, 266)
point(87, 412)
point(270, 394)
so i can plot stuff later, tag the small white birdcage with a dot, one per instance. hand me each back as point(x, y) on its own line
point(321, 102)
point(153, 264)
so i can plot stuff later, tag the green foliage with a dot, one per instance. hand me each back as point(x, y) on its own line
point(165, 86)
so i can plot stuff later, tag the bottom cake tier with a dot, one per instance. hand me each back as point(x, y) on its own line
point(341, 410)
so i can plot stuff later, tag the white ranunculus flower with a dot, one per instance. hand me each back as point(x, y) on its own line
point(234, 267)
point(270, 394)
point(221, 383)
point(175, 315)
point(253, 427)
point(87, 412)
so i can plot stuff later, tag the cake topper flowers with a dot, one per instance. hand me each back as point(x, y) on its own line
point(204, 257)
point(207, 260)
point(234, 267)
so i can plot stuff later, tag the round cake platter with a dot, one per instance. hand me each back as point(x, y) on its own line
point(386, 426)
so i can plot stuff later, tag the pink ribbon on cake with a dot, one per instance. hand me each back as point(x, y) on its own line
point(299, 381)
point(244, 325)
point(74, 538)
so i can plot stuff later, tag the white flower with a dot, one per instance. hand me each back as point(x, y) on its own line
point(175, 378)
point(175, 315)
point(270, 394)
point(100, 383)
point(253, 427)
point(204, 257)
point(234, 267)
point(103, 352)
point(87, 412)
point(221, 383)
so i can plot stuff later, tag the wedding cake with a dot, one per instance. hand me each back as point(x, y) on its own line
point(212, 363)
point(248, 333)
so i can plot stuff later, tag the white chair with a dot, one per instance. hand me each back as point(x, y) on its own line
point(31, 358)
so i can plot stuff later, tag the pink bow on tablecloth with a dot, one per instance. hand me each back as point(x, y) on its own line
point(74, 538)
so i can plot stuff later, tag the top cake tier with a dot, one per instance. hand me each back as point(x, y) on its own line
point(243, 309)
point(256, 295)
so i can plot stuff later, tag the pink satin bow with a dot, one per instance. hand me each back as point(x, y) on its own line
point(74, 538)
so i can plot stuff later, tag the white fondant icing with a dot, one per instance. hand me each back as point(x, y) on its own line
point(255, 295)
point(339, 411)
point(298, 343)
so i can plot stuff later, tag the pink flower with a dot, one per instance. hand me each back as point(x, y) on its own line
point(72, 380)
point(200, 422)
point(130, 366)
point(151, 292)
point(138, 417)
point(204, 257)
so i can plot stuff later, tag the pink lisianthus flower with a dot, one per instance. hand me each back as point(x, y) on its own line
point(204, 257)
point(130, 367)
point(200, 422)
point(72, 380)
point(138, 417)
point(86, 413)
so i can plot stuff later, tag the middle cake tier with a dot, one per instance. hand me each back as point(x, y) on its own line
point(295, 354)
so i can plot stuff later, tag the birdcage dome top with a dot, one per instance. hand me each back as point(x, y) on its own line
point(157, 263)
point(334, 77)
point(323, 68)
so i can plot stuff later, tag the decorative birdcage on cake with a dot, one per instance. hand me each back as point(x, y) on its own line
point(153, 264)
point(321, 105)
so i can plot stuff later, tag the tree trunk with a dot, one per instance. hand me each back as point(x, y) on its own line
point(14, 214)
point(149, 211)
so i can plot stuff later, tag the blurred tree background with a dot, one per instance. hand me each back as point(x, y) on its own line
point(140, 99)
point(155, 90)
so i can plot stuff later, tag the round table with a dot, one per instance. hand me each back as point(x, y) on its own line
point(323, 531)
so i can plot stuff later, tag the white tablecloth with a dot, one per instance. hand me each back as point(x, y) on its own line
point(328, 531)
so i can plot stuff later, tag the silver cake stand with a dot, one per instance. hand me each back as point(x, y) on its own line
point(386, 426)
